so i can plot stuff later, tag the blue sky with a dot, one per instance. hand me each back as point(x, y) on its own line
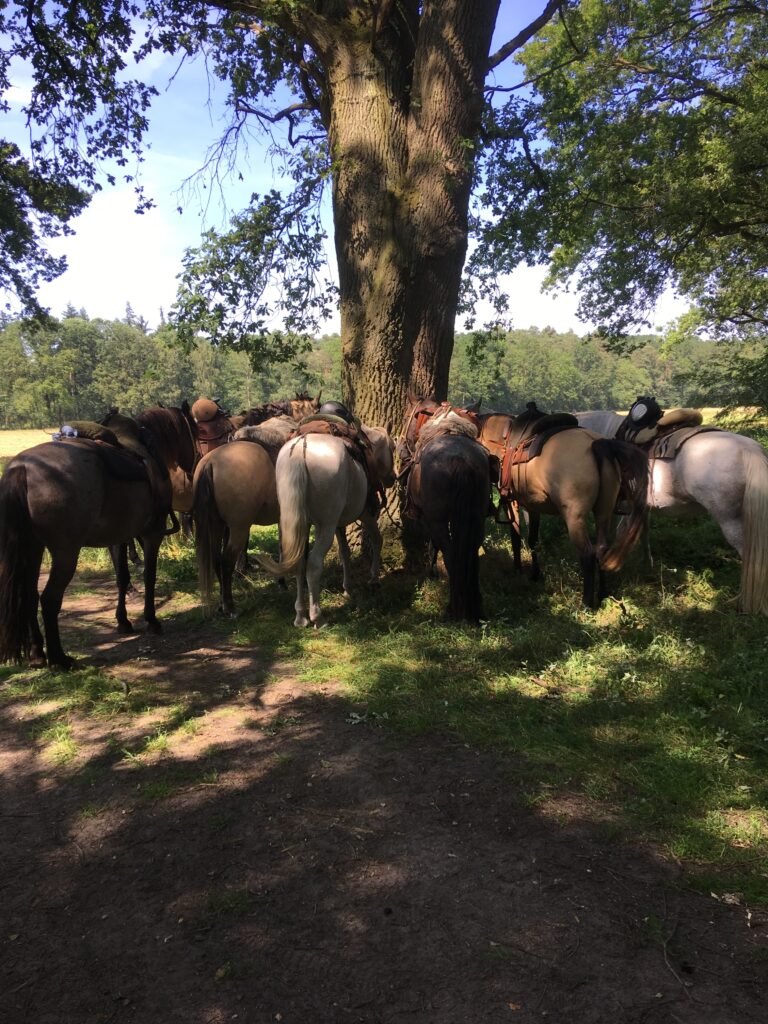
point(117, 257)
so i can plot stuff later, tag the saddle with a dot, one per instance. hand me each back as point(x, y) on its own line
point(668, 443)
point(123, 452)
point(357, 445)
point(530, 444)
point(214, 432)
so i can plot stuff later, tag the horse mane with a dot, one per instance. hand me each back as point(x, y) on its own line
point(447, 421)
point(165, 431)
point(274, 431)
point(267, 411)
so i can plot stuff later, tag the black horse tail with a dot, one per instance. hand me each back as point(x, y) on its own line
point(210, 533)
point(632, 465)
point(466, 524)
point(19, 567)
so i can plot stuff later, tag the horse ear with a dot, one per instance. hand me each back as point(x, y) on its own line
point(388, 427)
point(412, 396)
point(475, 407)
point(317, 400)
point(185, 407)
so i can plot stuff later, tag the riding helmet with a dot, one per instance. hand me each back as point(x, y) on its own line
point(336, 409)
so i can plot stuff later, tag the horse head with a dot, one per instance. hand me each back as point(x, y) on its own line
point(641, 422)
point(303, 405)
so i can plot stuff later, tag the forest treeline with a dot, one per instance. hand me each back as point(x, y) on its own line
point(77, 368)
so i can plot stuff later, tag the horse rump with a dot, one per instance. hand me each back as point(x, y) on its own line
point(20, 556)
point(454, 492)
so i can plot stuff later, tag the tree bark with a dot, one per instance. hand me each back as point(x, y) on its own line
point(405, 104)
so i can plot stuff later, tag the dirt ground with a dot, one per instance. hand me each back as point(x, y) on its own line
point(291, 861)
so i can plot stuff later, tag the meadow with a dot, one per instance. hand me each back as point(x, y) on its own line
point(648, 717)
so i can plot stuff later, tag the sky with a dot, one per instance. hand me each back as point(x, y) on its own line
point(117, 257)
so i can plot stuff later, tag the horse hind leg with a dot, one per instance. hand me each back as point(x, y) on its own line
point(36, 641)
point(579, 537)
point(323, 539)
point(234, 548)
point(345, 555)
point(63, 565)
point(119, 555)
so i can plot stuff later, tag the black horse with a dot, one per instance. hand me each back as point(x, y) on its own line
point(449, 489)
point(66, 495)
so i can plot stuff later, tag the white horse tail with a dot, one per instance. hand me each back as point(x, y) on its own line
point(292, 484)
point(753, 596)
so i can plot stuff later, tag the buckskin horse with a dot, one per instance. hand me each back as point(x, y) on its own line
point(234, 488)
point(68, 494)
point(573, 473)
point(448, 490)
point(699, 470)
point(321, 484)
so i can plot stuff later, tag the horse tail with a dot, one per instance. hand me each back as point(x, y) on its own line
point(632, 465)
point(19, 567)
point(465, 600)
point(210, 529)
point(292, 481)
point(753, 595)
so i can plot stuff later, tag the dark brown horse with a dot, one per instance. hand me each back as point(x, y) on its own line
point(65, 495)
point(576, 474)
point(448, 489)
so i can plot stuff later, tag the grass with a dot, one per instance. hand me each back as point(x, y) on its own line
point(649, 717)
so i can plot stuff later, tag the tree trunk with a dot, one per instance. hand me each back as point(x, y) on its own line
point(403, 120)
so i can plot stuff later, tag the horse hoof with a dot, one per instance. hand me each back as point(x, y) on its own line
point(154, 627)
point(38, 661)
point(301, 621)
point(227, 613)
point(62, 664)
point(125, 628)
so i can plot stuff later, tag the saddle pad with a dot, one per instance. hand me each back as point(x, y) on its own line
point(119, 463)
point(667, 446)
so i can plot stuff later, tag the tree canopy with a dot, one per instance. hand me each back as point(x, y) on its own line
point(633, 155)
point(643, 160)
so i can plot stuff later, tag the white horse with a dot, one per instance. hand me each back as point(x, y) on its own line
point(320, 484)
point(719, 473)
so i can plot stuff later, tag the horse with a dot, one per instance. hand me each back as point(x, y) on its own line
point(215, 426)
point(448, 490)
point(575, 474)
point(320, 484)
point(297, 408)
point(712, 472)
point(234, 488)
point(65, 495)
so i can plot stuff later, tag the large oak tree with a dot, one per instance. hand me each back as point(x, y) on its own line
point(383, 100)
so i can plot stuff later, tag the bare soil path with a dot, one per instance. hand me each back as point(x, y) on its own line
point(288, 860)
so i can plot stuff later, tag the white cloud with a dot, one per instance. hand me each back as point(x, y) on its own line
point(529, 306)
point(118, 257)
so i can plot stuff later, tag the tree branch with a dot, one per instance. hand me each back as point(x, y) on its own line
point(524, 35)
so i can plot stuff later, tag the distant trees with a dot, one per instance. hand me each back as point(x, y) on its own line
point(77, 368)
point(565, 372)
